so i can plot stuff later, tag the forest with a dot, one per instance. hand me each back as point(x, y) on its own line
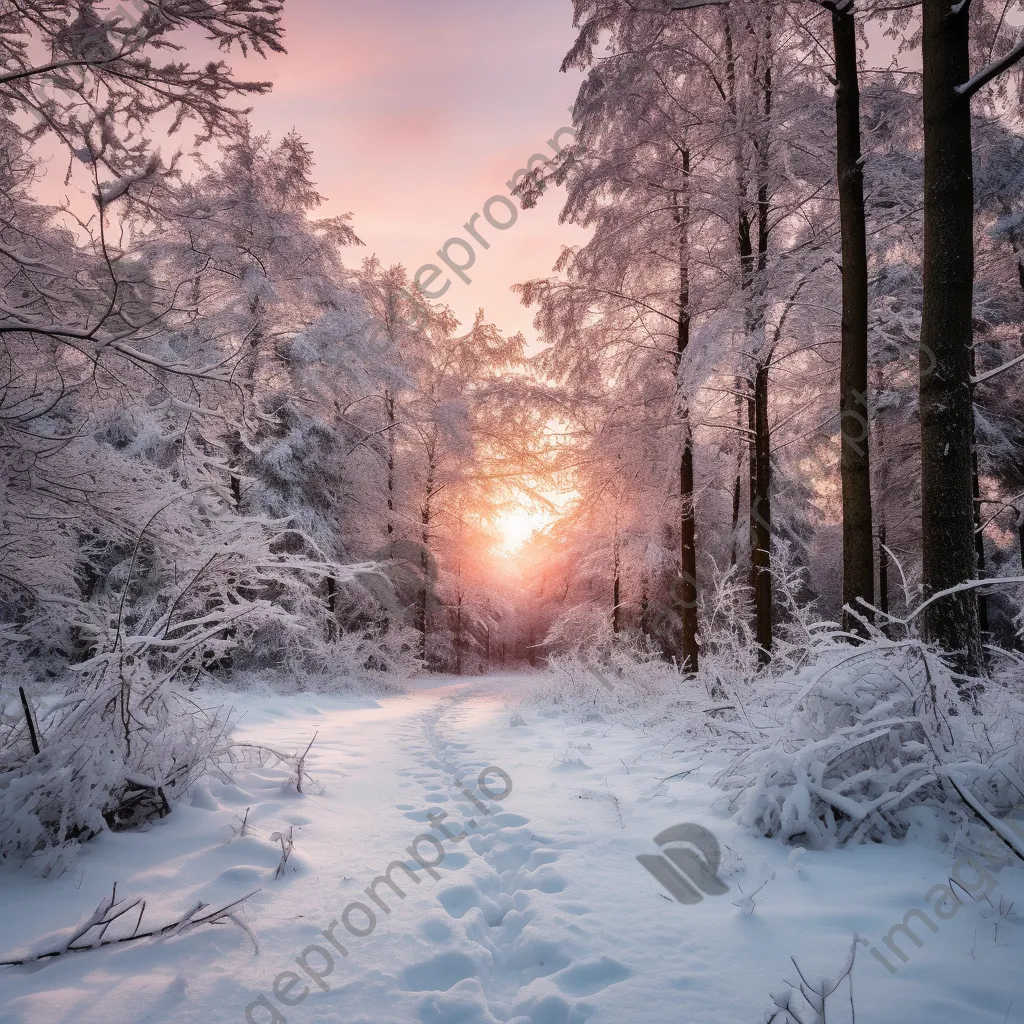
point(759, 473)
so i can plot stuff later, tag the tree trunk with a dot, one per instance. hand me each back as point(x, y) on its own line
point(761, 519)
point(616, 588)
point(458, 631)
point(979, 535)
point(425, 515)
point(250, 374)
point(737, 484)
point(332, 608)
point(745, 255)
point(688, 558)
point(1020, 537)
point(947, 505)
point(389, 411)
point(757, 409)
point(979, 544)
point(1016, 245)
point(855, 466)
point(883, 571)
point(687, 599)
point(880, 465)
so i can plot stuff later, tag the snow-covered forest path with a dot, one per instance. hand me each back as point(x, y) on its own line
point(539, 915)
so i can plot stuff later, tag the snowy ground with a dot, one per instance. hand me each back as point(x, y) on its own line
point(541, 915)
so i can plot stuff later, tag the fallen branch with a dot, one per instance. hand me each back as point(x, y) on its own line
point(111, 909)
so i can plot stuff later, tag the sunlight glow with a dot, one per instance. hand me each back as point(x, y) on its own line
point(516, 526)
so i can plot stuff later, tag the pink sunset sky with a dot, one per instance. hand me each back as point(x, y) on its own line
point(417, 113)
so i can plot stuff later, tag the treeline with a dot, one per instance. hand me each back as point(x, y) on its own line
point(212, 419)
point(788, 361)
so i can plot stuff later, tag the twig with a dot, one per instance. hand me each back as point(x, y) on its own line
point(287, 845)
point(28, 718)
point(110, 909)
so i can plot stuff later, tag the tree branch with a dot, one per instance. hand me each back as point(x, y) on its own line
point(994, 70)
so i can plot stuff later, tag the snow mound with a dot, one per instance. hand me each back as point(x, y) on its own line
point(864, 734)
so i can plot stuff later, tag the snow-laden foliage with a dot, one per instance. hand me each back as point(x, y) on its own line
point(847, 738)
point(858, 739)
point(370, 661)
point(835, 742)
point(113, 752)
point(226, 454)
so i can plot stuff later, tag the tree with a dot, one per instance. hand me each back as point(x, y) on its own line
point(101, 82)
point(947, 333)
point(858, 538)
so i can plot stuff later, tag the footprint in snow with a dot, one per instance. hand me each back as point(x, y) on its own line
point(537, 959)
point(460, 899)
point(586, 979)
point(549, 1010)
point(435, 931)
point(439, 973)
point(509, 820)
point(546, 881)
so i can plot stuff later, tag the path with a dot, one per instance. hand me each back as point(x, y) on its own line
point(540, 915)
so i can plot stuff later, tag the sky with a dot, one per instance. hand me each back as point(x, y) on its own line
point(417, 113)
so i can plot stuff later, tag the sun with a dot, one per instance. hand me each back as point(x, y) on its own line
point(516, 526)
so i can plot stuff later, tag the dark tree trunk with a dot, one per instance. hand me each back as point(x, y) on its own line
point(389, 411)
point(1015, 244)
point(458, 633)
point(688, 558)
point(979, 545)
point(737, 484)
point(422, 618)
point(947, 508)
point(855, 466)
point(979, 535)
point(1020, 537)
point(687, 598)
point(761, 519)
point(883, 571)
point(616, 589)
point(332, 608)
point(760, 443)
point(746, 265)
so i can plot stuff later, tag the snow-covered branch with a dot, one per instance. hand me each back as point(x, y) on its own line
point(994, 70)
point(91, 934)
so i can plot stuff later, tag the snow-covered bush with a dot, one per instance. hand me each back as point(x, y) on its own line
point(629, 683)
point(111, 754)
point(122, 738)
point(372, 660)
point(863, 733)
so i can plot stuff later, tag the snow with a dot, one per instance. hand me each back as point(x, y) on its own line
point(541, 914)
